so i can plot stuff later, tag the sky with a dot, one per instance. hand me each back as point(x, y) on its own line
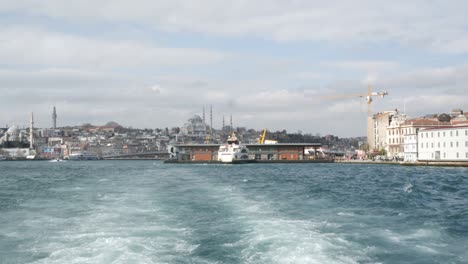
point(296, 65)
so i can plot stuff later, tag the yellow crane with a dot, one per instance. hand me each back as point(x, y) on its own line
point(263, 139)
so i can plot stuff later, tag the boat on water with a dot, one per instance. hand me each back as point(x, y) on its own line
point(57, 160)
point(3, 157)
point(233, 151)
point(83, 156)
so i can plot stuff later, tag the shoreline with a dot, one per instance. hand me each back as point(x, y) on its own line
point(402, 163)
point(357, 162)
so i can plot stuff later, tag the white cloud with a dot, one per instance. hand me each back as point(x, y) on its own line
point(142, 84)
point(439, 25)
point(366, 66)
point(429, 78)
point(22, 45)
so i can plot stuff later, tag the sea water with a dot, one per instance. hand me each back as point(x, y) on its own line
point(150, 212)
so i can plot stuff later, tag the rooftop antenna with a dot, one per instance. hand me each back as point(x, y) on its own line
point(231, 124)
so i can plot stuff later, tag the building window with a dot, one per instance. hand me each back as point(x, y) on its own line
point(466, 155)
point(451, 144)
point(444, 144)
point(457, 155)
point(466, 143)
point(438, 144)
point(466, 132)
point(443, 134)
point(451, 134)
point(432, 155)
point(432, 145)
point(432, 134)
point(422, 145)
point(456, 133)
point(422, 135)
point(457, 144)
point(444, 155)
point(427, 144)
point(438, 134)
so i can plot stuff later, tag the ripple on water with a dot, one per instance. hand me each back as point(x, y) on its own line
point(146, 212)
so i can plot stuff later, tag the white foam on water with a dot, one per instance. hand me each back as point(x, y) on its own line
point(296, 241)
point(115, 228)
point(427, 249)
point(408, 188)
point(273, 238)
point(420, 240)
point(124, 243)
point(345, 214)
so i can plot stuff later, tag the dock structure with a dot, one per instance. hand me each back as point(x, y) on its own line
point(259, 152)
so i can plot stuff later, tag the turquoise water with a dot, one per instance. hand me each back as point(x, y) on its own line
point(150, 212)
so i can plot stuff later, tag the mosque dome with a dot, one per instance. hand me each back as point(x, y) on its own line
point(13, 132)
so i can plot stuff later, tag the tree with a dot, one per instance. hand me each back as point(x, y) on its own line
point(382, 152)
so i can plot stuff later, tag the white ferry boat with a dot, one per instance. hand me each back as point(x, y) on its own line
point(3, 157)
point(233, 151)
point(83, 156)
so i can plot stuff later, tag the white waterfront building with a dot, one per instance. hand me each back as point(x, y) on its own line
point(410, 147)
point(395, 135)
point(443, 144)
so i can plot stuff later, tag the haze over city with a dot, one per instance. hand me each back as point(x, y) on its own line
point(268, 63)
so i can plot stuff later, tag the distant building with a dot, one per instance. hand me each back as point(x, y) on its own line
point(14, 138)
point(410, 129)
point(280, 151)
point(377, 130)
point(410, 147)
point(18, 152)
point(443, 144)
point(395, 136)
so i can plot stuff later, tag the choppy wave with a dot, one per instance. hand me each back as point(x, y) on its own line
point(149, 212)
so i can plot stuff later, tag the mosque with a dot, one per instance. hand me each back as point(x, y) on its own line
point(15, 143)
point(14, 138)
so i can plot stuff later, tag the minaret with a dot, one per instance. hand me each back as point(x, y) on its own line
point(204, 123)
point(231, 124)
point(222, 129)
point(211, 122)
point(31, 132)
point(54, 118)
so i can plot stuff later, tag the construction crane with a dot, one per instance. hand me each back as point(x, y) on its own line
point(368, 97)
point(369, 100)
point(263, 139)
